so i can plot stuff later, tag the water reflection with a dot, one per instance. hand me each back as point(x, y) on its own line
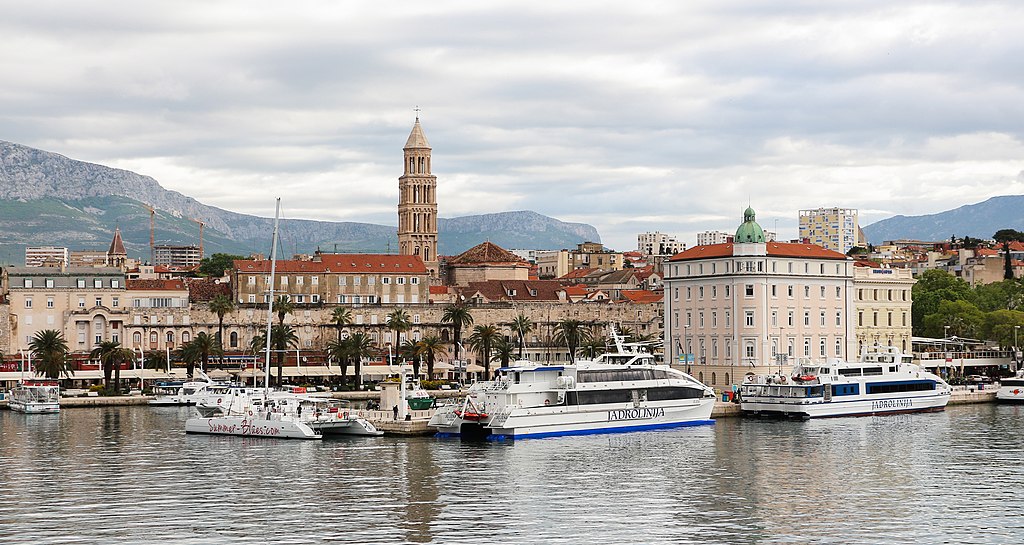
point(129, 475)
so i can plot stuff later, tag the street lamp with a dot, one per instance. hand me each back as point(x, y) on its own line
point(945, 332)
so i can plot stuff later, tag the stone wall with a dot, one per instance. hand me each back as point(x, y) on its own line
point(5, 328)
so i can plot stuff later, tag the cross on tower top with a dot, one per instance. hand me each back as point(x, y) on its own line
point(417, 110)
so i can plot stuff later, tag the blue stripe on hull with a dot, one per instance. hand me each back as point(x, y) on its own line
point(597, 431)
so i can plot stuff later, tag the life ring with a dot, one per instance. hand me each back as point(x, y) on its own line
point(250, 413)
point(547, 402)
point(219, 399)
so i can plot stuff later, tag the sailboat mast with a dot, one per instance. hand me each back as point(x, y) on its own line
point(270, 304)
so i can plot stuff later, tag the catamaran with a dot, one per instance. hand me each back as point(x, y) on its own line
point(620, 391)
point(884, 382)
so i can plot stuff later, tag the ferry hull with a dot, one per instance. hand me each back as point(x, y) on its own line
point(556, 421)
point(860, 407)
point(245, 426)
point(1010, 394)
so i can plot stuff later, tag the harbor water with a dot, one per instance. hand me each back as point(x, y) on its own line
point(130, 475)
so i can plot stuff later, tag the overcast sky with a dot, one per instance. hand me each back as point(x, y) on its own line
point(630, 116)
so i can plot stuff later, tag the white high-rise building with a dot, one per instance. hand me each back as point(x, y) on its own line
point(706, 238)
point(658, 243)
point(39, 256)
point(833, 228)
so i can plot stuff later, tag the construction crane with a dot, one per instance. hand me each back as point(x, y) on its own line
point(201, 225)
point(152, 234)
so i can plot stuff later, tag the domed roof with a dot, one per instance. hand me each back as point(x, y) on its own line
point(749, 230)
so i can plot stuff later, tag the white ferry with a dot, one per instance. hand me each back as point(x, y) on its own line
point(1011, 390)
point(885, 382)
point(181, 393)
point(35, 396)
point(618, 392)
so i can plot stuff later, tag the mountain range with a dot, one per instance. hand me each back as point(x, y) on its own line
point(979, 220)
point(50, 199)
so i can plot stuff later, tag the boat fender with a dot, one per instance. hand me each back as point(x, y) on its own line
point(547, 402)
point(219, 399)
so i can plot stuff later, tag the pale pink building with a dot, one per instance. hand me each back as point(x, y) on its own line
point(753, 306)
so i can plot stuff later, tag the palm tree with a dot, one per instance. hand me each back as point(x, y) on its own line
point(430, 348)
point(189, 353)
point(593, 346)
point(282, 338)
point(503, 351)
point(111, 355)
point(283, 306)
point(627, 333)
point(361, 346)
point(459, 316)
point(154, 359)
point(339, 350)
point(50, 350)
point(399, 322)
point(482, 339)
point(409, 351)
point(204, 344)
point(341, 316)
point(572, 333)
point(221, 305)
point(522, 325)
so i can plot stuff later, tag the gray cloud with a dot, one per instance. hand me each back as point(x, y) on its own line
point(653, 116)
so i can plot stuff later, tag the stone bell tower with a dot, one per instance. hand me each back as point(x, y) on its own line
point(417, 202)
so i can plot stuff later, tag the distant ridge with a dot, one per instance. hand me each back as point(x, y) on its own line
point(49, 199)
point(980, 220)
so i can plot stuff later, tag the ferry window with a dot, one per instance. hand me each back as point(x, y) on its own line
point(895, 387)
point(868, 371)
point(675, 392)
point(850, 372)
point(604, 396)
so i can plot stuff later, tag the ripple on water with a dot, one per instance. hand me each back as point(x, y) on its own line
point(129, 475)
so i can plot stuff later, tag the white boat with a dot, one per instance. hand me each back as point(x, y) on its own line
point(620, 391)
point(169, 393)
point(884, 382)
point(35, 396)
point(1011, 390)
point(251, 412)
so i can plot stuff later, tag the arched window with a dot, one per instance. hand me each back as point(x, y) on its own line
point(137, 339)
point(727, 378)
point(185, 337)
point(234, 339)
point(700, 376)
point(712, 379)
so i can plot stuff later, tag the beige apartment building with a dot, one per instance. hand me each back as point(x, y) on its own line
point(334, 279)
point(883, 298)
point(87, 305)
point(752, 306)
point(837, 229)
point(587, 255)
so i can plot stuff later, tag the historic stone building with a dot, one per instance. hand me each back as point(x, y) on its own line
point(417, 202)
point(883, 300)
point(483, 262)
point(751, 305)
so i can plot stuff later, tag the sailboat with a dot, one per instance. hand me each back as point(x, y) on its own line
point(257, 418)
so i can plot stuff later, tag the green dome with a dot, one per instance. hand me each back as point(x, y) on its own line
point(749, 230)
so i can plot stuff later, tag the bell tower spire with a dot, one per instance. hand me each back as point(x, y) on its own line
point(417, 201)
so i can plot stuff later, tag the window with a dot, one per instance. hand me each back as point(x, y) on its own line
point(700, 292)
point(790, 290)
point(789, 321)
point(284, 282)
point(807, 318)
point(252, 281)
point(775, 318)
point(234, 339)
point(748, 290)
point(823, 291)
point(115, 302)
point(252, 298)
point(748, 318)
point(839, 347)
point(823, 318)
point(170, 337)
point(342, 280)
point(81, 283)
point(49, 282)
point(822, 349)
point(807, 291)
point(315, 298)
point(807, 347)
point(115, 283)
point(688, 293)
point(714, 318)
point(299, 280)
point(749, 350)
point(700, 319)
point(728, 319)
point(773, 290)
point(28, 282)
point(839, 292)
point(49, 302)
point(81, 302)
point(860, 318)
point(97, 283)
point(401, 280)
point(727, 291)
point(414, 281)
point(688, 316)
point(356, 280)
point(714, 291)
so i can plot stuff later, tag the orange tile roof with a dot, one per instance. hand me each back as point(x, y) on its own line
point(643, 296)
point(576, 273)
point(487, 253)
point(576, 289)
point(775, 249)
point(340, 263)
point(438, 290)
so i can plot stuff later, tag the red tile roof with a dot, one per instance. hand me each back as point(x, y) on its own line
point(339, 263)
point(775, 249)
point(487, 253)
point(175, 284)
point(499, 290)
point(438, 290)
point(643, 296)
point(577, 273)
point(205, 289)
point(576, 290)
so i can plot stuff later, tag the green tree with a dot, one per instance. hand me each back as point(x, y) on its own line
point(283, 306)
point(482, 339)
point(593, 347)
point(1000, 326)
point(572, 333)
point(282, 339)
point(341, 317)
point(429, 348)
point(1006, 236)
point(933, 287)
point(361, 346)
point(399, 322)
point(155, 359)
point(111, 355)
point(205, 345)
point(221, 305)
point(339, 350)
point(522, 325)
point(962, 317)
point(216, 264)
point(50, 351)
point(503, 351)
point(458, 316)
